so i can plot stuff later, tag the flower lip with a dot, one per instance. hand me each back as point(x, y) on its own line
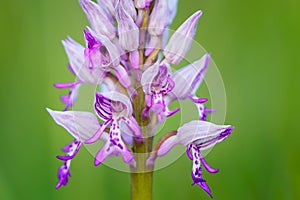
point(202, 183)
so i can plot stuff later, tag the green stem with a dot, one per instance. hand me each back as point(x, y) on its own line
point(141, 186)
point(141, 175)
point(141, 178)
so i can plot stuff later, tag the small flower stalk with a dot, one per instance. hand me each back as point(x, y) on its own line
point(128, 55)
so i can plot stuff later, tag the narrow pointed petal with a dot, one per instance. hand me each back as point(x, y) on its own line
point(202, 111)
point(81, 125)
point(169, 113)
point(134, 57)
point(152, 44)
point(126, 133)
point(109, 6)
point(103, 153)
point(181, 40)
point(128, 31)
point(123, 76)
point(122, 52)
point(208, 167)
point(72, 151)
point(98, 134)
point(130, 9)
point(165, 37)
point(148, 77)
point(72, 96)
point(188, 79)
point(98, 18)
point(133, 125)
point(159, 18)
point(65, 85)
point(205, 187)
point(197, 170)
point(167, 145)
point(109, 149)
point(63, 174)
point(172, 9)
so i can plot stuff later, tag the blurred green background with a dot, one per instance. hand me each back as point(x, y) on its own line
point(255, 45)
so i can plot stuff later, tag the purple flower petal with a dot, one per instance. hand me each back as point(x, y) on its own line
point(109, 149)
point(73, 93)
point(188, 79)
point(128, 31)
point(63, 176)
point(181, 40)
point(109, 6)
point(159, 18)
point(123, 76)
point(114, 145)
point(133, 125)
point(98, 134)
point(151, 44)
point(98, 18)
point(197, 170)
point(172, 9)
point(65, 85)
point(203, 134)
point(64, 170)
point(129, 7)
point(134, 57)
point(81, 125)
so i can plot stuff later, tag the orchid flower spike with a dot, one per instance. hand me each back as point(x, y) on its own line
point(156, 82)
point(184, 35)
point(115, 110)
point(197, 136)
point(127, 59)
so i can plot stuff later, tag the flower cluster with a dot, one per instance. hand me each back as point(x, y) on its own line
point(127, 52)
